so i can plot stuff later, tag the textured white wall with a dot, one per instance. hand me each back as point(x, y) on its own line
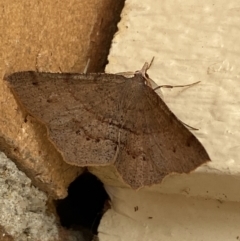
point(191, 41)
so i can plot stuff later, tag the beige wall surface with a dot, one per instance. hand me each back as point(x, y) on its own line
point(191, 41)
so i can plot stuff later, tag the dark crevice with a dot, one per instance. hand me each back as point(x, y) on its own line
point(84, 206)
point(103, 33)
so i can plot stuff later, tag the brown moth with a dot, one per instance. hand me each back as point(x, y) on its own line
point(108, 119)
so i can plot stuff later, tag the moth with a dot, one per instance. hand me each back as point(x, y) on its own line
point(108, 119)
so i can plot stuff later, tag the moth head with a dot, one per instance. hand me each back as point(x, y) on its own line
point(144, 75)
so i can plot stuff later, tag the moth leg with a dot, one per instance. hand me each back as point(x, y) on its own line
point(190, 127)
point(179, 86)
point(176, 86)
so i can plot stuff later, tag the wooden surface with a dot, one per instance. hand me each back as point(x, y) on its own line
point(56, 37)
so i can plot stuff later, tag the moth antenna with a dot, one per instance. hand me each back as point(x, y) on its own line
point(151, 62)
point(127, 74)
point(36, 61)
point(144, 70)
point(144, 74)
point(86, 67)
point(176, 86)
